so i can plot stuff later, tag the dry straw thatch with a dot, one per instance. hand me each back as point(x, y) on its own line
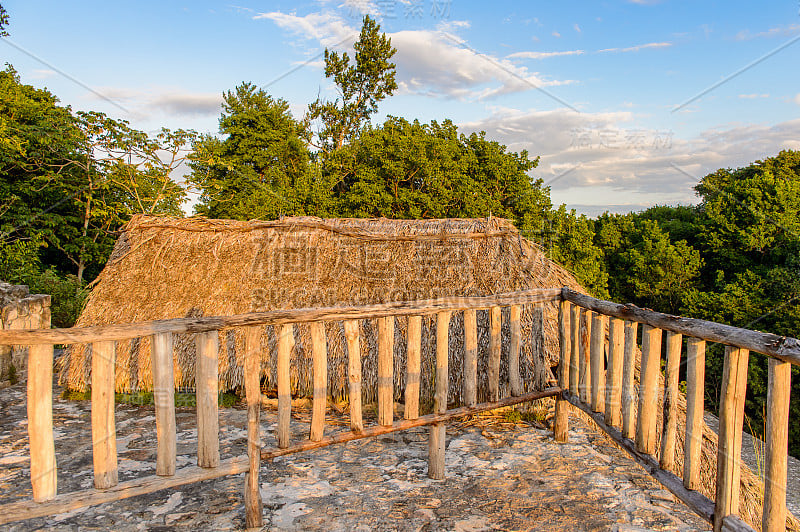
point(176, 267)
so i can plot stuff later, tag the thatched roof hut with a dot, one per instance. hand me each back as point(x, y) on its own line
point(180, 267)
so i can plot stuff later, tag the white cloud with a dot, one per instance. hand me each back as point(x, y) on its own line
point(797, 99)
point(556, 34)
point(435, 63)
point(172, 102)
point(778, 31)
point(753, 96)
point(361, 7)
point(186, 103)
point(42, 73)
point(577, 28)
point(607, 159)
point(636, 48)
point(329, 29)
point(543, 55)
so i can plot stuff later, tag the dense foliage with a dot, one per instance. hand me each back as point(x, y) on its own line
point(68, 181)
point(734, 258)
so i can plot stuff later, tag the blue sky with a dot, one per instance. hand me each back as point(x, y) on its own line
point(598, 90)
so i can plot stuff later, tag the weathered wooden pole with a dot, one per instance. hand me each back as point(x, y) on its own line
point(252, 384)
point(285, 345)
point(731, 421)
point(40, 422)
point(470, 358)
point(437, 434)
point(777, 442)
point(386, 371)
point(616, 345)
point(164, 399)
point(104, 433)
point(597, 362)
point(207, 393)
point(495, 347)
point(561, 421)
point(351, 332)
point(414, 361)
point(514, 379)
point(319, 348)
point(628, 374)
point(695, 386)
point(648, 387)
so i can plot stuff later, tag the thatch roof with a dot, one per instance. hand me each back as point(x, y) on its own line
point(178, 267)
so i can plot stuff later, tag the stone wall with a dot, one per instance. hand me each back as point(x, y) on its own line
point(19, 310)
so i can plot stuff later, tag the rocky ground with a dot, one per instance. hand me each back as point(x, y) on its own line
point(499, 477)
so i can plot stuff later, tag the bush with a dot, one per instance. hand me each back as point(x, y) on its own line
point(20, 264)
point(68, 295)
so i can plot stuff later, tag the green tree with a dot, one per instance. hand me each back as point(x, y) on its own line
point(405, 169)
point(569, 240)
point(750, 241)
point(69, 181)
point(362, 83)
point(3, 21)
point(256, 169)
point(644, 266)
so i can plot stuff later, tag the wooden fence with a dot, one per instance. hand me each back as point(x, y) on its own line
point(107, 486)
point(597, 376)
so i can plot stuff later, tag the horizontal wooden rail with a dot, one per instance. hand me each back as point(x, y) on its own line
point(127, 331)
point(422, 421)
point(28, 509)
point(782, 347)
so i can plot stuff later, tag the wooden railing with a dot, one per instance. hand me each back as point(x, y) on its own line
point(598, 352)
point(107, 486)
point(597, 376)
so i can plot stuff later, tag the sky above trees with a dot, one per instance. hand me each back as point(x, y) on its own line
point(604, 93)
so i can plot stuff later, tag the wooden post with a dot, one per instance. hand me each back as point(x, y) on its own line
point(495, 324)
point(104, 433)
point(648, 386)
point(354, 374)
point(413, 367)
point(285, 346)
point(669, 433)
point(436, 438)
point(207, 393)
point(585, 378)
point(164, 399)
point(561, 421)
point(386, 371)
point(319, 348)
point(695, 387)
point(574, 356)
point(40, 422)
point(616, 342)
point(470, 358)
point(514, 380)
point(597, 362)
point(628, 393)
point(252, 384)
point(777, 441)
point(731, 419)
